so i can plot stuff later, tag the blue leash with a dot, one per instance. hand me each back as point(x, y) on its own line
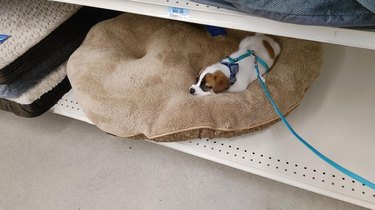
point(286, 123)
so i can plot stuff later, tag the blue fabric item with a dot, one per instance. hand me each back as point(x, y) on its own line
point(3, 38)
point(369, 4)
point(349, 13)
point(303, 141)
point(233, 68)
point(215, 31)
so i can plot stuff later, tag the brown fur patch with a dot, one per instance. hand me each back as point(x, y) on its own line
point(269, 49)
point(218, 81)
point(209, 80)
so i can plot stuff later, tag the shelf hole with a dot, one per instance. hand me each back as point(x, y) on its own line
point(294, 172)
point(227, 153)
point(353, 181)
point(238, 148)
point(229, 146)
point(269, 158)
point(251, 159)
point(260, 162)
point(296, 165)
point(219, 150)
point(342, 186)
point(286, 170)
point(323, 180)
point(214, 142)
point(261, 155)
point(363, 192)
point(207, 140)
point(187, 3)
point(343, 178)
point(253, 153)
point(333, 176)
point(353, 189)
point(222, 144)
point(190, 142)
point(245, 150)
point(304, 175)
point(277, 167)
point(324, 173)
point(313, 177)
point(314, 170)
point(197, 144)
point(278, 160)
point(243, 157)
point(235, 155)
point(333, 183)
point(268, 164)
point(287, 163)
point(204, 146)
point(212, 148)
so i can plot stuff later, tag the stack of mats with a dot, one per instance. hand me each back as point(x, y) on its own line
point(41, 35)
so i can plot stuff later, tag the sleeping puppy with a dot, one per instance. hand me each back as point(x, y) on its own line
point(223, 76)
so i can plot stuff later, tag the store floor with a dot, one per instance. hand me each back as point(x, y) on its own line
point(53, 162)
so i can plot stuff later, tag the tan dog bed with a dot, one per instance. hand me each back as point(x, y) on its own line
point(132, 77)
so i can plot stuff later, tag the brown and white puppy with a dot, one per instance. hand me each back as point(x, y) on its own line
point(219, 77)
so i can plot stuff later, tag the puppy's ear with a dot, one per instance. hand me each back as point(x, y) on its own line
point(221, 82)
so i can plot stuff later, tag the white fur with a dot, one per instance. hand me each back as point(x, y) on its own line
point(246, 73)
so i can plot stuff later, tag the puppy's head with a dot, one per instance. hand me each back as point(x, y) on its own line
point(210, 82)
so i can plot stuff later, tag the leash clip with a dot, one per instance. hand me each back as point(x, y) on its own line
point(254, 58)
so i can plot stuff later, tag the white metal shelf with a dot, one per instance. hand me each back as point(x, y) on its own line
point(336, 116)
point(203, 14)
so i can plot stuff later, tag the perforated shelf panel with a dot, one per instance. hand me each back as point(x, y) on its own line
point(200, 13)
point(336, 116)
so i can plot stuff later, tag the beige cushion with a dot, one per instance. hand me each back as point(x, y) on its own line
point(132, 74)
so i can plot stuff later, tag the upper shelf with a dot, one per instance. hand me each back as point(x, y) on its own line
point(204, 14)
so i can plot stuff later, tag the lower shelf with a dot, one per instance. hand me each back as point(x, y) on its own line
point(336, 116)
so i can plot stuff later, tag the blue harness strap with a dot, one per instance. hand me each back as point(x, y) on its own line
point(304, 142)
point(233, 64)
point(233, 68)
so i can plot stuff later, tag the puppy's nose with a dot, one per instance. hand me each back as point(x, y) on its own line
point(192, 91)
